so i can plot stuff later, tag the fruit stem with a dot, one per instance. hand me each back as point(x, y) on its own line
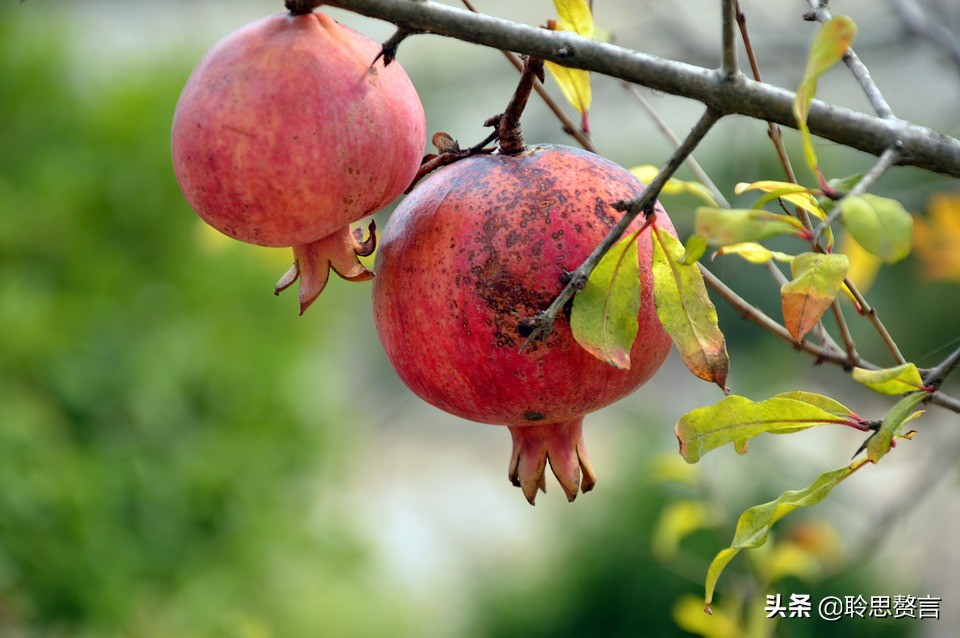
point(508, 131)
point(301, 7)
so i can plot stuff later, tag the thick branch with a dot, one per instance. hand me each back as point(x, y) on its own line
point(922, 146)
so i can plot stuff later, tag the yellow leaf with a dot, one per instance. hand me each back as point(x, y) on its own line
point(863, 265)
point(647, 172)
point(574, 83)
point(937, 238)
point(689, 616)
point(575, 16)
point(828, 47)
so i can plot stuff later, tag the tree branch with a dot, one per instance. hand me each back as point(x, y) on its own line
point(922, 147)
point(542, 323)
point(829, 355)
point(858, 68)
point(729, 64)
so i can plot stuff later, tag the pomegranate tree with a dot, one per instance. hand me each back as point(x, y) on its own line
point(474, 250)
point(287, 131)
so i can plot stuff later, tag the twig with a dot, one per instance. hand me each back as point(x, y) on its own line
point(729, 65)
point(923, 147)
point(938, 375)
point(858, 68)
point(871, 313)
point(541, 324)
point(912, 17)
point(675, 141)
point(829, 355)
point(568, 126)
point(887, 159)
point(849, 345)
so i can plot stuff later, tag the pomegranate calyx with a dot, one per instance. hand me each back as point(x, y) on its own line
point(339, 251)
point(558, 444)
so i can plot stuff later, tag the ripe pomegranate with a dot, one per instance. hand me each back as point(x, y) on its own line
point(287, 131)
point(477, 247)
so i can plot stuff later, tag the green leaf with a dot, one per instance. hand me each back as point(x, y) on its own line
point(723, 227)
point(686, 312)
point(755, 523)
point(753, 252)
point(881, 441)
point(604, 313)
point(829, 46)
point(736, 419)
point(881, 225)
point(816, 281)
point(693, 250)
point(898, 380)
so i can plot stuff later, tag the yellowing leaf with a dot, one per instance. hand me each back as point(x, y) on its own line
point(575, 16)
point(604, 313)
point(863, 265)
point(753, 252)
point(829, 46)
point(899, 380)
point(816, 281)
point(737, 418)
point(826, 404)
point(755, 523)
point(770, 186)
point(573, 83)
point(647, 172)
point(882, 440)
point(723, 227)
point(686, 312)
point(879, 224)
point(938, 238)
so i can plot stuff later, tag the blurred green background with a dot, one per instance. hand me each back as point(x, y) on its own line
point(182, 455)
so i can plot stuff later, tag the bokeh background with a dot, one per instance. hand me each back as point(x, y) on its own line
point(181, 455)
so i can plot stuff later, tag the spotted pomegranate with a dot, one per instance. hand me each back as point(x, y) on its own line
point(476, 248)
point(287, 131)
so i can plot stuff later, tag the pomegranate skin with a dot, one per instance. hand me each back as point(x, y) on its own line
point(280, 134)
point(477, 247)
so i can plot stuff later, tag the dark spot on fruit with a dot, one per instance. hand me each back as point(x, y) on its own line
point(533, 416)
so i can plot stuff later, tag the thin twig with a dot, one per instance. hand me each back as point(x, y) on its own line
point(568, 126)
point(829, 355)
point(871, 314)
point(913, 19)
point(675, 141)
point(939, 374)
point(887, 159)
point(923, 146)
point(858, 68)
point(541, 324)
point(729, 65)
point(849, 345)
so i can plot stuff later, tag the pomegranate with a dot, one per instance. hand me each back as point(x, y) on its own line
point(287, 131)
point(476, 248)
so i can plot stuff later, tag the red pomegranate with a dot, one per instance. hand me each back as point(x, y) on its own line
point(477, 247)
point(287, 131)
